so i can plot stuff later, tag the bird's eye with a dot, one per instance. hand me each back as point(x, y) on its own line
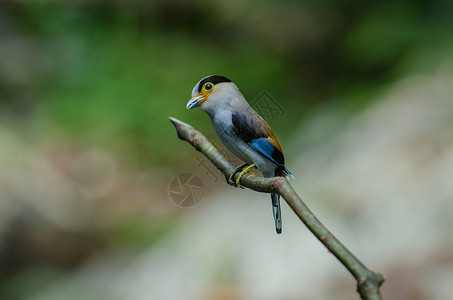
point(208, 86)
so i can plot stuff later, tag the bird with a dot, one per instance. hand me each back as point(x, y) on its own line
point(243, 131)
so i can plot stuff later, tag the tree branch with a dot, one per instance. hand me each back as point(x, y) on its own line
point(368, 282)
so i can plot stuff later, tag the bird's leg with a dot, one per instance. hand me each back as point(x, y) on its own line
point(230, 180)
point(245, 170)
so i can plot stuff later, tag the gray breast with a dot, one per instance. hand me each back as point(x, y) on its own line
point(223, 126)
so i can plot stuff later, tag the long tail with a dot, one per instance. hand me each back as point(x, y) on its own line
point(277, 212)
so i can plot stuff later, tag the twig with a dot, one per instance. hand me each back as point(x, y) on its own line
point(368, 282)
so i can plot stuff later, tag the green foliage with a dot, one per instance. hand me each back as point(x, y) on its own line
point(107, 74)
point(141, 232)
point(111, 73)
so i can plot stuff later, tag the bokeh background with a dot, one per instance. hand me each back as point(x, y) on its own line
point(87, 155)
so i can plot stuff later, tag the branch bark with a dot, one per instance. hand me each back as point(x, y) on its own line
point(368, 282)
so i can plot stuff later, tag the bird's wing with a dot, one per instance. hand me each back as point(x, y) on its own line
point(253, 130)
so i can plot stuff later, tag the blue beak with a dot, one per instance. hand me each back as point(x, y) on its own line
point(194, 102)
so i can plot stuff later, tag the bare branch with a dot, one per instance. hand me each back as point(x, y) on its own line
point(368, 282)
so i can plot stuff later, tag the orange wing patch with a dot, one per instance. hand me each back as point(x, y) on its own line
point(273, 140)
point(267, 131)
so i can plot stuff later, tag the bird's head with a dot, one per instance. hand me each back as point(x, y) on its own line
point(212, 92)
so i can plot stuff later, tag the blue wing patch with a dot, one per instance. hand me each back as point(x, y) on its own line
point(253, 133)
point(263, 146)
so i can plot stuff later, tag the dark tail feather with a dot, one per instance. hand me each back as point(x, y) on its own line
point(277, 212)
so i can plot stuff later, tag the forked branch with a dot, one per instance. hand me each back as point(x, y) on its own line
point(368, 282)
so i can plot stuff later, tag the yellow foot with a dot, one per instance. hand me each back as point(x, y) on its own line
point(245, 170)
point(230, 180)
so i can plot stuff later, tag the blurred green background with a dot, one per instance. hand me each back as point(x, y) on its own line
point(86, 87)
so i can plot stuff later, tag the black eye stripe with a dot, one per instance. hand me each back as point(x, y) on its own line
point(214, 79)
